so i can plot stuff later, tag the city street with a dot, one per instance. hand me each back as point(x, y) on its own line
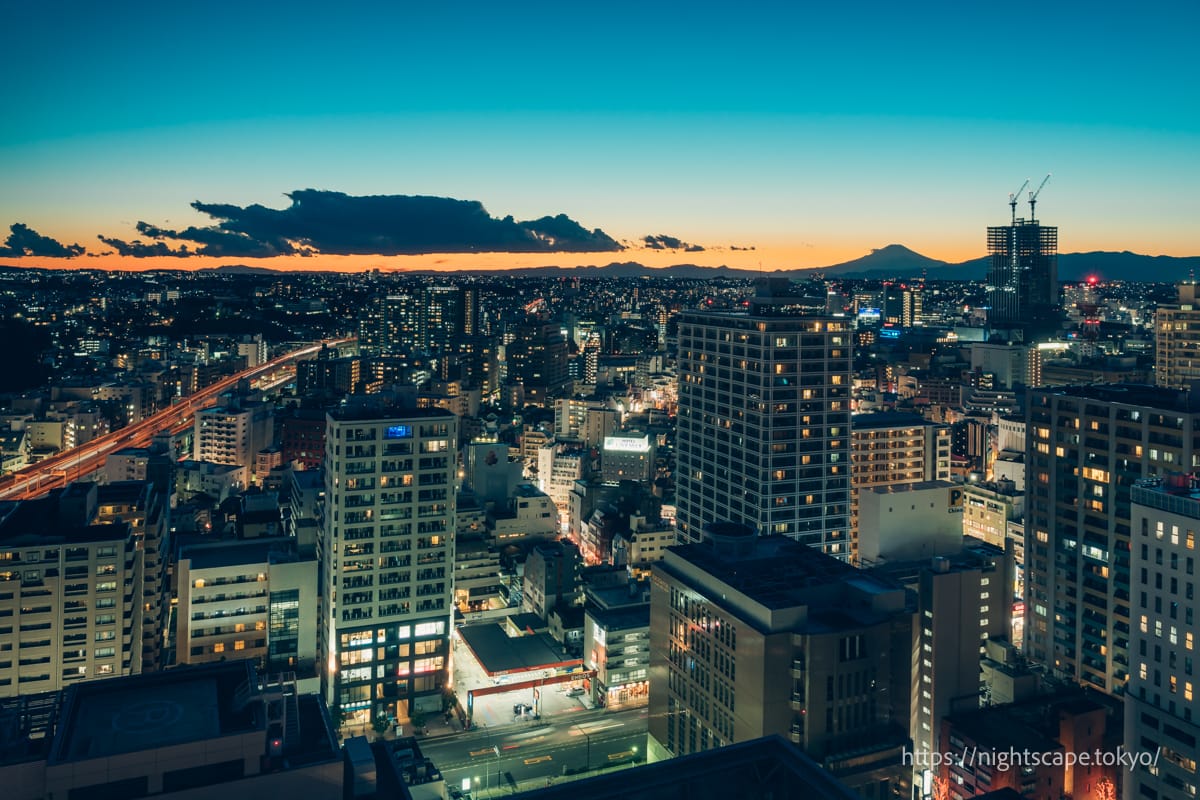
point(531, 754)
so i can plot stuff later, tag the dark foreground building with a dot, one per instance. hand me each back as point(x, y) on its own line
point(770, 767)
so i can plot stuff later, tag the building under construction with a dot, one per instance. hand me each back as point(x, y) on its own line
point(1023, 291)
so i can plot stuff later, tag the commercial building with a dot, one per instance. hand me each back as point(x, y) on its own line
point(1087, 447)
point(616, 644)
point(910, 521)
point(1034, 748)
point(963, 601)
point(763, 435)
point(627, 458)
point(1161, 711)
point(386, 552)
point(751, 636)
point(559, 466)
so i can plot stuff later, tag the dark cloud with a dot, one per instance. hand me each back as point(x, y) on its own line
point(216, 241)
point(139, 249)
point(25, 241)
point(333, 223)
point(664, 242)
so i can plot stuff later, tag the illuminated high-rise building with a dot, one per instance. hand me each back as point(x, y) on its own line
point(1177, 340)
point(441, 317)
point(1086, 447)
point(401, 320)
point(386, 553)
point(1162, 714)
point(764, 420)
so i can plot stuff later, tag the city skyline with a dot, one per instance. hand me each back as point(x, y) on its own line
point(780, 137)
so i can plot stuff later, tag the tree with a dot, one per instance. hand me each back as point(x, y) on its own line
point(941, 787)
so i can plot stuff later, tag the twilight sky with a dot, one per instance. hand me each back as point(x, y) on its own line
point(809, 132)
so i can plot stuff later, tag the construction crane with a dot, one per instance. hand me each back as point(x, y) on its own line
point(1033, 196)
point(1015, 198)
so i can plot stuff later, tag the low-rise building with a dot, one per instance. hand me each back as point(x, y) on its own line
point(246, 599)
point(616, 644)
point(216, 730)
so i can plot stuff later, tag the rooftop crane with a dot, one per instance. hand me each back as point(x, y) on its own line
point(1014, 198)
point(1033, 196)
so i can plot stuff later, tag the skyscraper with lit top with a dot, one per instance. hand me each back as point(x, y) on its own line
point(386, 552)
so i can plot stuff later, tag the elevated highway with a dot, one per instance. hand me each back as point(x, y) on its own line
point(70, 465)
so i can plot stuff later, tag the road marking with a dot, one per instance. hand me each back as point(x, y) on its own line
point(626, 754)
point(538, 760)
point(594, 729)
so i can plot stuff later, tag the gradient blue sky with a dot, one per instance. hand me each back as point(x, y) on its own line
point(811, 132)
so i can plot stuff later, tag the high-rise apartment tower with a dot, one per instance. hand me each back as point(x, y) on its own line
point(764, 420)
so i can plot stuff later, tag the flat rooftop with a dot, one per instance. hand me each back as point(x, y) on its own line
point(149, 712)
point(767, 767)
point(235, 552)
point(776, 572)
point(500, 654)
point(919, 486)
point(888, 419)
point(44, 520)
point(1159, 397)
point(385, 413)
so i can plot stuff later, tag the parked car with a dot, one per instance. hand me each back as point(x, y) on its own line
point(576, 692)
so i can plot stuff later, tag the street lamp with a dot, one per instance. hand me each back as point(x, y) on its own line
point(496, 750)
point(588, 736)
point(486, 770)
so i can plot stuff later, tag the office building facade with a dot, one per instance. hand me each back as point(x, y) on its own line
point(752, 636)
